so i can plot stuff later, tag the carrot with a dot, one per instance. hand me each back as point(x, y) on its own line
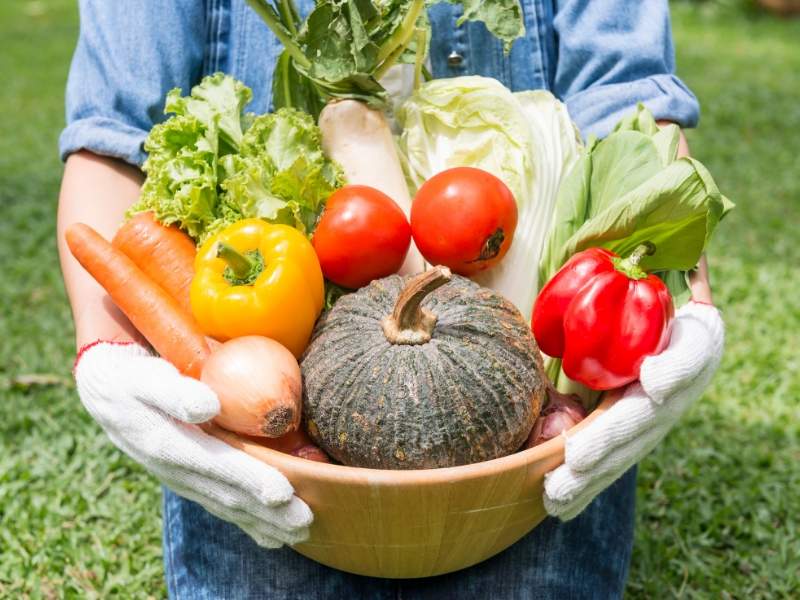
point(157, 315)
point(165, 254)
point(253, 399)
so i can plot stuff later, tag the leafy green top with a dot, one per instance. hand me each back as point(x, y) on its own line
point(631, 188)
point(211, 164)
point(344, 47)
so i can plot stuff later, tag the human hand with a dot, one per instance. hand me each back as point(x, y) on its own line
point(150, 411)
point(596, 455)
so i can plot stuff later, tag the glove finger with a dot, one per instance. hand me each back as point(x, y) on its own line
point(189, 448)
point(565, 493)
point(216, 460)
point(285, 522)
point(631, 417)
point(690, 351)
point(263, 532)
point(568, 492)
point(108, 374)
point(291, 516)
point(158, 383)
point(587, 454)
point(176, 451)
point(619, 460)
point(628, 418)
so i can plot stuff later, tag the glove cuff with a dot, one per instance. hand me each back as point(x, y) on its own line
point(82, 350)
point(98, 345)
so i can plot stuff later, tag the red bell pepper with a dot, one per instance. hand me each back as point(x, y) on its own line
point(603, 315)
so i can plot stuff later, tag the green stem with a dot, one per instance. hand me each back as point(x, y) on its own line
point(240, 265)
point(419, 59)
point(289, 14)
point(552, 369)
point(426, 74)
point(391, 60)
point(271, 18)
point(640, 252)
point(630, 264)
point(401, 35)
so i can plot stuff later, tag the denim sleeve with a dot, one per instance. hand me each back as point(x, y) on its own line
point(128, 56)
point(613, 54)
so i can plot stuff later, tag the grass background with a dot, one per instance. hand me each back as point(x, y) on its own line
point(718, 501)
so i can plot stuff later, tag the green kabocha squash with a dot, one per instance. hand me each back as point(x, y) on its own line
point(422, 372)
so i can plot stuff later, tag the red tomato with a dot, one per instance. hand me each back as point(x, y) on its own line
point(362, 235)
point(463, 218)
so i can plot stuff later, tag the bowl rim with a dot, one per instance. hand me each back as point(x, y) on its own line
point(331, 472)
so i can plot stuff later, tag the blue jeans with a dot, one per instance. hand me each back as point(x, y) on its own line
point(206, 558)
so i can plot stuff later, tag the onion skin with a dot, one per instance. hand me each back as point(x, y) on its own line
point(258, 384)
point(561, 412)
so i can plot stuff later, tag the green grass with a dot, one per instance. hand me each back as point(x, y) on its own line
point(717, 501)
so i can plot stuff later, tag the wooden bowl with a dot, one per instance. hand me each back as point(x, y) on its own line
point(402, 524)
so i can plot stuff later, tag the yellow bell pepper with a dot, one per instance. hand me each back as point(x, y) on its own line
point(255, 278)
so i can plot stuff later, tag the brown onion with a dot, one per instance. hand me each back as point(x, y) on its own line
point(258, 384)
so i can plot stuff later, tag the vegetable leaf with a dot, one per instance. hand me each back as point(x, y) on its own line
point(218, 99)
point(204, 178)
point(181, 174)
point(290, 88)
point(677, 210)
point(629, 188)
point(344, 47)
point(503, 18)
point(285, 176)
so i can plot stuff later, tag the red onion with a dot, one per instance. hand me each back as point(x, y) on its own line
point(561, 412)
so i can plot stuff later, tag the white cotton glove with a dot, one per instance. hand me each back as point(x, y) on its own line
point(669, 383)
point(148, 408)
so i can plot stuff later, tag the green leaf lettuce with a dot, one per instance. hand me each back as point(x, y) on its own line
point(210, 164)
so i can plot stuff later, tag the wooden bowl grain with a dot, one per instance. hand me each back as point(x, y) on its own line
point(407, 524)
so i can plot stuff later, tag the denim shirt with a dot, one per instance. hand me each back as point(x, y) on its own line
point(600, 57)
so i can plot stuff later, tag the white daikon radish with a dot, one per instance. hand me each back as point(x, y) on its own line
point(360, 140)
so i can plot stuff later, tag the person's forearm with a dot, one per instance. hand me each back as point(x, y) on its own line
point(699, 283)
point(97, 191)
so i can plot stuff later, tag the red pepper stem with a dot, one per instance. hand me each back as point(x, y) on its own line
point(629, 265)
point(642, 250)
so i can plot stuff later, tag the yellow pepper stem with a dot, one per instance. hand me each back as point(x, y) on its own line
point(242, 268)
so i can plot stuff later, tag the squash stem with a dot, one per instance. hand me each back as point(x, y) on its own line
point(409, 323)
